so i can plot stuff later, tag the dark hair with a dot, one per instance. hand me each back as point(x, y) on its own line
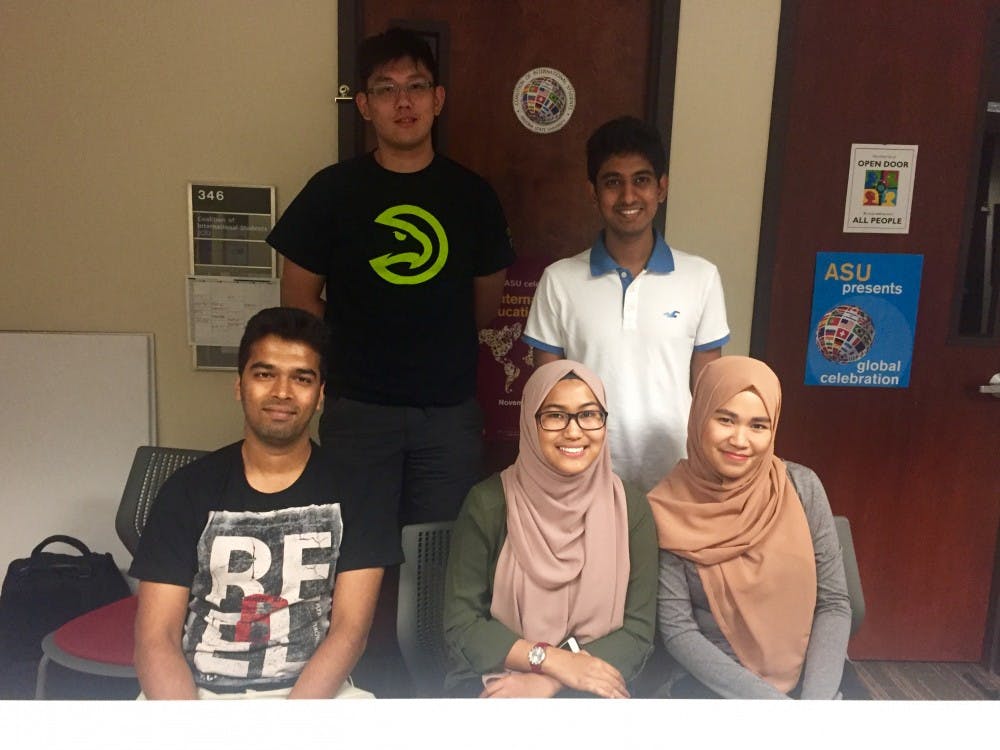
point(625, 135)
point(394, 44)
point(290, 324)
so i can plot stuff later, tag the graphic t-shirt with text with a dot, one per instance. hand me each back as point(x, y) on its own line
point(260, 603)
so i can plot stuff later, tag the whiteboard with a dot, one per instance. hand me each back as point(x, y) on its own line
point(74, 407)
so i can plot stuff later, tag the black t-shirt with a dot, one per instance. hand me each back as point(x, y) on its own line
point(399, 252)
point(261, 566)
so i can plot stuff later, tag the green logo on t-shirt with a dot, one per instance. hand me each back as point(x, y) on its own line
point(424, 262)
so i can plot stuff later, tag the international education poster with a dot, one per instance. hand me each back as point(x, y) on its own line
point(505, 361)
point(864, 316)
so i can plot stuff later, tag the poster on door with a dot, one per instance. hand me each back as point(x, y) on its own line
point(505, 361)
point(864, 317)
point(880, 188)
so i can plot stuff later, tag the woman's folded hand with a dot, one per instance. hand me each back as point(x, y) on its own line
point(586, 673)
point(521, 685)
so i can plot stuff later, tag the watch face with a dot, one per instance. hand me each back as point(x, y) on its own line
point(536, 655)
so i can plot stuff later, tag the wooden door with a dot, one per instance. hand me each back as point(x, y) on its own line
point(619, 57)
point(917, 470)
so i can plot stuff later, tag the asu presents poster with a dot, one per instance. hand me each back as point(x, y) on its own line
point(864, 316)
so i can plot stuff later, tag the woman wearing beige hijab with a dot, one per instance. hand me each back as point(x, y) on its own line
point(752, 596)
point(552, 549)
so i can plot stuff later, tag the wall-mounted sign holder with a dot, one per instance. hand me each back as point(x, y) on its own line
point(233, 269)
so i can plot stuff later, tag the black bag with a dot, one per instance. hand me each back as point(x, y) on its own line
point(41, 593)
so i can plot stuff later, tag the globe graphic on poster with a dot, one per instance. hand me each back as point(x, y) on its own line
point(845, 334)
point(543, 100)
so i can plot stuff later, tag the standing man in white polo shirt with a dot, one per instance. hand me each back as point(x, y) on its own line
point(644, 316)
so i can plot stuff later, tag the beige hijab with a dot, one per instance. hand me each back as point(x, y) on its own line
point(749, 537)
point(563, 569)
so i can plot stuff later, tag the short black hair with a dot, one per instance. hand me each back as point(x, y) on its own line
point(394, 43)
point(625, 135)
point(290, 324)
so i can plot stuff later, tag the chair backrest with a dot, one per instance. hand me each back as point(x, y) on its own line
point(854, 590)
point(419, 626)
point(150, 468)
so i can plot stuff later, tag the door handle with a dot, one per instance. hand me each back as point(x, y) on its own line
point(993, 387)
point(343, 94)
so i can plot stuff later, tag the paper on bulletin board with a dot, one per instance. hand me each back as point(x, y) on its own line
point(219, 307)
point(880, 188)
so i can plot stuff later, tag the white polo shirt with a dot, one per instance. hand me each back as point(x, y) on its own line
point(638, 334)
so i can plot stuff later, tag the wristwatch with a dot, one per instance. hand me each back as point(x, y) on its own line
point(536, 655)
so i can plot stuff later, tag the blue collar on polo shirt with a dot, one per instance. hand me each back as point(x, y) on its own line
point(661, 260)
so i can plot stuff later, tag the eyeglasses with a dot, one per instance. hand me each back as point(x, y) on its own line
point(392, 90)
point(553, 421)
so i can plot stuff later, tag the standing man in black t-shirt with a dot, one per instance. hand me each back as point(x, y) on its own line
point(412, 249)
point(257, 577)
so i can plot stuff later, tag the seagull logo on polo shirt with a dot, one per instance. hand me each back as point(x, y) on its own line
point(672, 314)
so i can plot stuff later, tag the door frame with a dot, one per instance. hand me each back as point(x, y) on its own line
point(767, 244)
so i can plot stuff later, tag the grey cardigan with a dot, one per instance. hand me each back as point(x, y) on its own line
point(698, 646)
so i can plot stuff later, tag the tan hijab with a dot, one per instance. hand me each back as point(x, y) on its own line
point(563, 569)
point(749, 537)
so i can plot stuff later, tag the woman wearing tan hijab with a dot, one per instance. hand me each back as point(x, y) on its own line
point(552, 548)
point(752, 600)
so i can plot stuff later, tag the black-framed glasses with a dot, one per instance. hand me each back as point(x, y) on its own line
point(589, 419)
point(392, 90)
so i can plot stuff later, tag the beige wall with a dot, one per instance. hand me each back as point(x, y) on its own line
point(722, 115)
point(109, 108)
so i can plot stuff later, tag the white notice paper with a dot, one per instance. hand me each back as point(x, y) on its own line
point(219, 307)
point(880, 188)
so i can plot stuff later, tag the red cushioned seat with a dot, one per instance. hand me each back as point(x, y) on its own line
point(104, 635)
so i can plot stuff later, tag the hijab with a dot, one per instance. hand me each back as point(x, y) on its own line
point(748, 537)
point(563, 569)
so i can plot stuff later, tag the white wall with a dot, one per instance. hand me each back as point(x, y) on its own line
point(722, 113)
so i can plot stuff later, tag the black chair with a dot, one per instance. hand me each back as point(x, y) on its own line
point(101, 642)
point(419, 625)
point(854, 591)
point(852, 686)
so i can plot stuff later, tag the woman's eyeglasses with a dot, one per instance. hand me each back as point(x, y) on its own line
point(553, 421)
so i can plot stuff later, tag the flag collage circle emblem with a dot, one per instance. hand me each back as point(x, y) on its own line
point(544, 100)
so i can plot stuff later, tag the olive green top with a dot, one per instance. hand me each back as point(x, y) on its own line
point(478, 644)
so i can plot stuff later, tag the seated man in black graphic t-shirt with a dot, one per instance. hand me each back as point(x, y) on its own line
point(256, 576)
